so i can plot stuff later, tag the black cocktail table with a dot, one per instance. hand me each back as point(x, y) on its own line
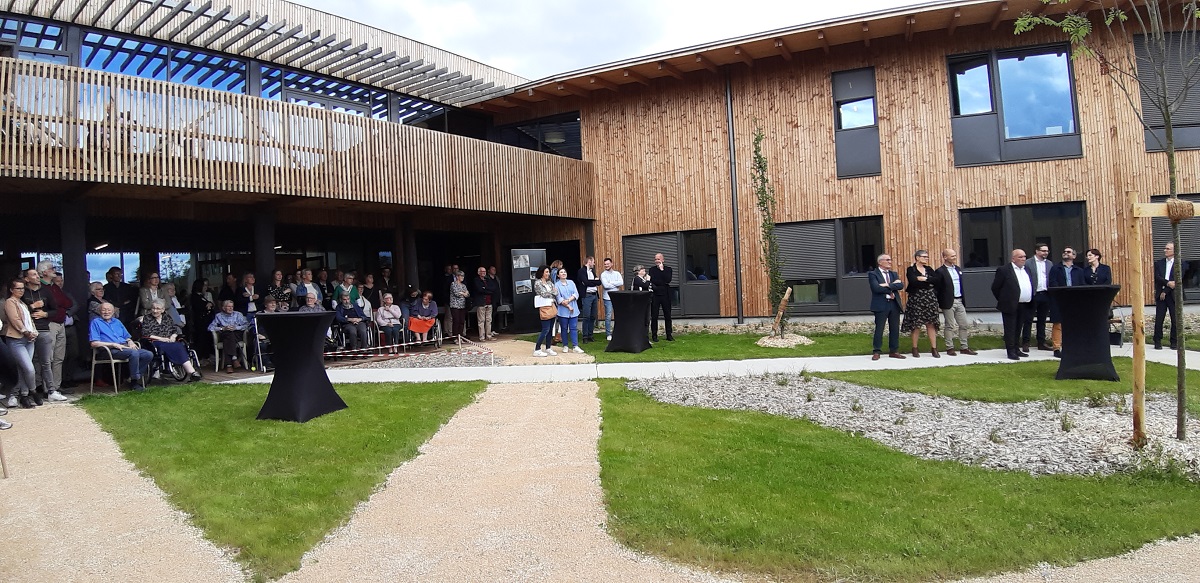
point(1085, 349)
point(630, 332)
point(301, 390)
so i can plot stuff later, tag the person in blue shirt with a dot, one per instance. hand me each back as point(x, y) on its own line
point(230, 327)
point(567, 295)
point(110, 332)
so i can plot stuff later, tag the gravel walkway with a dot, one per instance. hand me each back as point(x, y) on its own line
point(508, 490)
point(75, 510)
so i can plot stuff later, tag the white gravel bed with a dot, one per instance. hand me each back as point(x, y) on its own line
point(437, 359)
point(1039, 437)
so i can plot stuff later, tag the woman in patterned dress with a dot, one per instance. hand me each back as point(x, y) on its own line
point(922, 308)
point(280, 290)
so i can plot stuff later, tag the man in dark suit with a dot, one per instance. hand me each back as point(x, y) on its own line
point(1039, 270)
point(1164, 296)
point(660, 287)
point(1066, 274)
point(951, 295)
point(587, 281)
point(885, 303)
point(1013, 288)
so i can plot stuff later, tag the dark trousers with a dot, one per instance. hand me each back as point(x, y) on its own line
point(1014, 322)
point(660, 301)
point(892, 318)
point(1162, 309)
point(229, 345)
point(458, 321)
point(1040, 311)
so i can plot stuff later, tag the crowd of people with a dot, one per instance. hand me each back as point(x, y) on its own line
point(1021, 290)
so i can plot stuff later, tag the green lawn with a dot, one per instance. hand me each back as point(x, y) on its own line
point(707, 346)
point(755, 493)
point(271, 490)
point(1024, 381)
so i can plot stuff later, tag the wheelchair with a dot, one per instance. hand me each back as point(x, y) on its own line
point(409, 338)
point(163, 365)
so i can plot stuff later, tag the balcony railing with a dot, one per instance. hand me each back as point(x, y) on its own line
point(68, 123)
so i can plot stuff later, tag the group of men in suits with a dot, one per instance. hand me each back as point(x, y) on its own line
point(886, 304)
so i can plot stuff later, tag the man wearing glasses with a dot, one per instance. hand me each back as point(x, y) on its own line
point(885, 303)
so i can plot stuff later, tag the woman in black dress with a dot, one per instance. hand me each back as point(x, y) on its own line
point(201, 304)
point(922, 308)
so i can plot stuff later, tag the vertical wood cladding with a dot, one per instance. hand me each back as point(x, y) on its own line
point(661, 156)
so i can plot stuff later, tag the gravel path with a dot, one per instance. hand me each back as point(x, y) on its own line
point(508, 490)
point(75, 510)
point(1158, 562)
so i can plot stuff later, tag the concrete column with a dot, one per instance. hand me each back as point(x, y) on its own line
point(73, 222)
point(412, 275)
point(264, 243)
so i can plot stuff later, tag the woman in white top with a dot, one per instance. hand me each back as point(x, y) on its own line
point(19, 336)
point(390, 320)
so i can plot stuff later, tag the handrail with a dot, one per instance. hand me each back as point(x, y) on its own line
point(70, 123)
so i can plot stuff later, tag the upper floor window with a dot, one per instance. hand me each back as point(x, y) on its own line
point(1013, 106)
point(208, 71)
point(323, 92)
point(127, 56)
point(42, 36)
point(856, 129)
point(859, 113)
point(1175, 54)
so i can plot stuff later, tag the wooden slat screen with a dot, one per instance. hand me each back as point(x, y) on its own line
point(68, 123)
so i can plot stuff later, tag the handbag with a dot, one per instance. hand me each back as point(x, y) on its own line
point(547, 312)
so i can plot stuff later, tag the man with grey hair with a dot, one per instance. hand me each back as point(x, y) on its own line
point(950, 293)
point(44, 310)
point(885, 304)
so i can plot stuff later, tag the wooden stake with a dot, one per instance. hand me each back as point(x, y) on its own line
point(776, 330)
point(1137, 298)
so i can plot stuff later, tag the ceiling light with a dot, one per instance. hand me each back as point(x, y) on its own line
point(555, 137)
point(100, 246)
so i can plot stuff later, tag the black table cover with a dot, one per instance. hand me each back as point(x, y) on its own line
point(1085, 348)
point(631, 310)
point(301, 390)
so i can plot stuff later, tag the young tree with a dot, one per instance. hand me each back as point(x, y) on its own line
point(1149, 51)
point(765, 197)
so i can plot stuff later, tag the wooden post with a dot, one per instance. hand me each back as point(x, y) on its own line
point(1139, 322)
point(776, 330)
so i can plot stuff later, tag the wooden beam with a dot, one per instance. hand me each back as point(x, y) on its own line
point(1000, 10)
point(211, 22)
point(1154, 209)
point(54, 8)
point(635, 76)
point(196, 14)
point(172, 14)
point(490, 107)
point(145, 15)
point(824, 41)
point(278, 40)
point(573, 90)
point(603, 83)
point(261, 36)
point(708, 64)
point(670, 69)
point(866, 35)
point(908, 27)
point(953, 22)
point(296, 42)
point(783, 49)
point(745, 57)
point(1138, 303)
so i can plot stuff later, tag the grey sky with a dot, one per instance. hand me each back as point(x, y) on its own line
point(538, 38)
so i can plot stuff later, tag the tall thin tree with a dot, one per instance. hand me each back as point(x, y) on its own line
point(765, 198)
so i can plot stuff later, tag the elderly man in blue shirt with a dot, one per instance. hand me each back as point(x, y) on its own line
point(109, 332)
point(230, 327)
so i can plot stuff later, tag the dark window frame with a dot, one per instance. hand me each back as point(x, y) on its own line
point(1007, 242)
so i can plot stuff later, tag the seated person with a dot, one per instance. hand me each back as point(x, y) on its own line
point(270, 306)
point(312, 303)
point(164, 334)
point(423, 316)
point(230, 327)
point(390, 320)
point(353, 322)
point(110, 332)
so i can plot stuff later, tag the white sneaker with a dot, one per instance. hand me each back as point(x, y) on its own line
point(4, 424)
point(609, 338)
point(12, 402)
point(55, 396)
point(540, 353)
point(549, 351)
point(577, 350)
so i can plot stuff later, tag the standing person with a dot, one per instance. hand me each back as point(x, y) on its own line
point(481, 298)
point(497, 292)
point(150, 292)
point(327, 289)
point(371, 292)
point(120, 294)
point(42, 308)
point(1065, 275)
point(59, 323)
point(545, 295)
point(1041, 298)
point(885, 304)
point(282, 292)
point(173, 306)
point(1164, 296)
point(660, 281)
point(556, 265)
point(201, 303)
point(1013, 289)
point(347, 286)
point(922, 309)
point(567, 296)
point(109, 331)
point(248, 300)
point(230, 327)
point(951, 301)
point(458, 305)
point(641, 282)
point(307, 286)
point(386, 284)
point(588, 284)
point(1096, 273)
point(70, 309)
point(228, 290)
point(610, 281)
point(20, 338)
point(390, 320)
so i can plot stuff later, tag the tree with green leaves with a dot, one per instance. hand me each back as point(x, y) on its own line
point(765, 197)
point(1149, 51)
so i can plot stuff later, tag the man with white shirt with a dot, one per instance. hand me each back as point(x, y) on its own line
point(885, 304)
point(1013, 288)
point(1040, 310)
point(950, 300)
point(1164, 296)
point(610, 281)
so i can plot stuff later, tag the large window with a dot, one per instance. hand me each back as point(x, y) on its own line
point(700, 255)
point(127, 56)
point(862, 242)
point(1176, 54)
point(856, 132)
point(1013, 106)
point(858, 113)
point(208, 71)
point(990, 234)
